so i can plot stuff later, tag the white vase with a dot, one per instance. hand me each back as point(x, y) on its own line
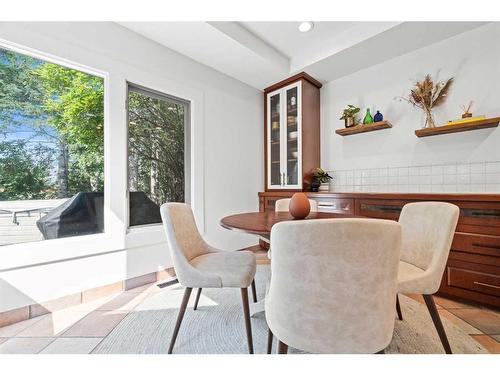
point(325, 186)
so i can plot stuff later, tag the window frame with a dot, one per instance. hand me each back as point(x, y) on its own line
point(104, 236)
point(116, 238)
point(146, 91)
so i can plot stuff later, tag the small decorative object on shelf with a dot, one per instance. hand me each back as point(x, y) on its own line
point(321, 180)
point(378, 117)
point(349, 116)
point(299, 206)
point(293, 101)
point(466, 110)
point(465, 120)
point(427, 95)
point(368, 117)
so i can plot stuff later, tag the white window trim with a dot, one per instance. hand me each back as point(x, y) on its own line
point(187, 142)
point(153, 234)
point(116, 237)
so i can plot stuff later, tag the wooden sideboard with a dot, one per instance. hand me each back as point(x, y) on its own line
point(473, 269)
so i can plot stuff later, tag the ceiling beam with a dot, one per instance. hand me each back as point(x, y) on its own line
point(250, 41)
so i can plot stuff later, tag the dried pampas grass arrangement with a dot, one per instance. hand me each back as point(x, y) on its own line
point(427, 95)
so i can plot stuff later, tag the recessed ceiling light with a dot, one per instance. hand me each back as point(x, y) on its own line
point(304, 27)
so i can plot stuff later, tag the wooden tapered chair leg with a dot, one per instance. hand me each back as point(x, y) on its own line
point(270, 337)
point(282, 348)
point(431, 306)
point(197, 299)
point(182, 310)
point(254, 291)
point(398, 308)
point(246, 314)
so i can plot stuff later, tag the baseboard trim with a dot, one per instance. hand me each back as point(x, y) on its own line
point(31, 311)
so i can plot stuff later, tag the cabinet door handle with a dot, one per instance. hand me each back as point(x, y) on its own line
point(282, 179)
point(488, 285)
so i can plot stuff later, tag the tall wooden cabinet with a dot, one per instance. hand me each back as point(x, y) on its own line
point(292, 133)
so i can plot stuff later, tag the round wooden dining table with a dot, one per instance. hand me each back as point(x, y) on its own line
point(261, 223)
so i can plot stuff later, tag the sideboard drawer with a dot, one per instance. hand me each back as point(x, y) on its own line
point(476, 244)
point(479, 213)
point(378, 208)
point(473, 258)
point(472, 280)
point(335, 205)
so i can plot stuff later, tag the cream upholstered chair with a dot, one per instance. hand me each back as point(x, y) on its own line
point(198, 265)
point(427, 234)
point(282, 205)
point(344, 302)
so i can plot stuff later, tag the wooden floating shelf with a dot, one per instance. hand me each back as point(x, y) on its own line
point(363, 128)
point(468, 126)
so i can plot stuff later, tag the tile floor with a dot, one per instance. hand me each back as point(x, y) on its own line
point(79, 329)
point(74, 330)
point(481, 323)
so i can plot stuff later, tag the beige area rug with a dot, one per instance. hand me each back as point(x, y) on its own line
point(217, 326)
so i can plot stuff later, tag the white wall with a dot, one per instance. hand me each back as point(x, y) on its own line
point(473, 58)
point(227, 160)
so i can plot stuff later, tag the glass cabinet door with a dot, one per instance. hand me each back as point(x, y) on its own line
point(274, 139)
point(292, 136)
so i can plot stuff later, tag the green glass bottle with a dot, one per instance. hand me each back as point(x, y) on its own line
point(368, 117)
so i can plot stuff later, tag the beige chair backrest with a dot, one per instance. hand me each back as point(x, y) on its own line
point(185, 243)
point(282, 205)
point(427, 233)
point(333, 284)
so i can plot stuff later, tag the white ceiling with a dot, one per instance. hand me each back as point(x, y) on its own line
point(262, 53)
point(325, 39)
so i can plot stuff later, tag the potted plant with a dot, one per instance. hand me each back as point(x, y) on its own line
point(349, 116)
point(321, 180)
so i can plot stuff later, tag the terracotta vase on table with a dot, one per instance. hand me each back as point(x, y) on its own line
point(299, 206)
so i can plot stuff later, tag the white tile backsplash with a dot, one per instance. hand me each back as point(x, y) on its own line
point(449, 179)
point(425, 170)
point(493, 167)
point(493, 178)
point(483, 177)
point(477, 168)
point(437, 170)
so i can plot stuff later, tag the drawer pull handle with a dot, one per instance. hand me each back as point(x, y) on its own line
point(383, 208)
point(488, 285)
point(486, 246)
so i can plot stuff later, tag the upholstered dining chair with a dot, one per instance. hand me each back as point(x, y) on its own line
point(344, 302)
point(427, 234)
point(198, 265)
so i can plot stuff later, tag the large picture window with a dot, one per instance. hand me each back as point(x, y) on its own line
point(51, 150)
point(157, 159)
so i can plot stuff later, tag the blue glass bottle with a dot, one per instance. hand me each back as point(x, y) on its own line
point(378, 117)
